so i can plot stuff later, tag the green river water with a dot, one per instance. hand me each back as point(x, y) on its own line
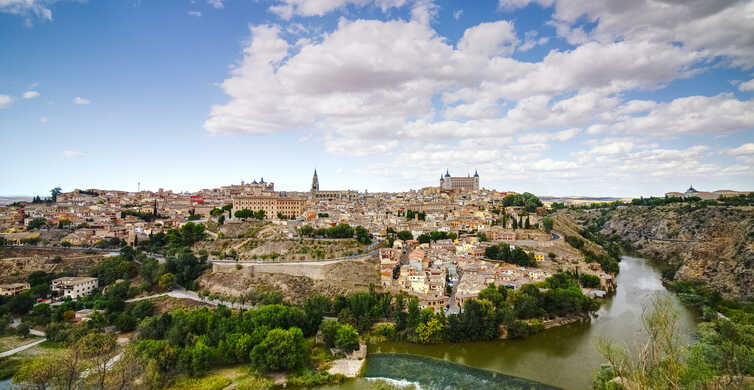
point(560, 358)
point(564, 357)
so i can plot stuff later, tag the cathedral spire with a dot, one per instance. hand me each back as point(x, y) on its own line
point(315, 182)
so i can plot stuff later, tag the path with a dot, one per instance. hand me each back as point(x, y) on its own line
point(185, 294)
point(21, 348)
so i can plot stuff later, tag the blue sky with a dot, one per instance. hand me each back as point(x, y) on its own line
point(553, 97)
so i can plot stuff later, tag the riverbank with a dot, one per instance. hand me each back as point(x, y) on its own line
point(563, 356)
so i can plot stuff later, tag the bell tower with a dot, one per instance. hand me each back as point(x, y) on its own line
point(315, 182)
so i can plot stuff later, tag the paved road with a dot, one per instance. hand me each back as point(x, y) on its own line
point(185, 294)
point(21, 348)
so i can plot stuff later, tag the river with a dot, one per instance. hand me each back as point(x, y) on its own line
point(564, 357)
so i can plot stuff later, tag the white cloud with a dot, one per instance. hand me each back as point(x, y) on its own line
point(717, 28)
point(5, 101)
point(457, 14)
point(80, 100)
point(742, 150)
point(39, 9)
point(72, 154)
point(195, 13)
point(692, 115)
point(489, 39)
point(216, 3)
point(31, 94)
point(747, 86)
point(43, 119)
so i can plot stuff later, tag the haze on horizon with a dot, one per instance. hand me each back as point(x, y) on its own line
point(553, 97)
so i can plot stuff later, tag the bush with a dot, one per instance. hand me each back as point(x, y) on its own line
point(281, 350)
point(589, 280)
point(347, 338)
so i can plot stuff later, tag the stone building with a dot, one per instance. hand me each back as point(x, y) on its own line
point(459, 184)
point(272, 204)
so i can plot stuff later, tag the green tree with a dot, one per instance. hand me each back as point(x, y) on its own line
point(432, 331)
point(55, 192)
point(281, 350)
point(243, 213)
point(347, 338)
point(329, 329)
point(167, 280)
point(37, 223)
point(547, 224)
point(405, 235)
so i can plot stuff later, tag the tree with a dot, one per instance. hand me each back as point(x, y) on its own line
point(424, 238)
point(432, 331)
point(243, 213)
point(42, 372)
point(527, 224)
point(281, 350)
point(329, 329)
point(167, 280)
point(37, 223)
point(98, 349)
point(547, 223)
point(362, 235)
point(23, 329)
point(55, 192)
point(589, 280)
point(405, 235)
point(347, 338)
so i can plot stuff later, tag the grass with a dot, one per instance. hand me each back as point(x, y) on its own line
point(10, 342)
point(9, 366)
point(213, 382)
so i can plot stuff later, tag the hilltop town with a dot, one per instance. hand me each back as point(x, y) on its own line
point(431, 243)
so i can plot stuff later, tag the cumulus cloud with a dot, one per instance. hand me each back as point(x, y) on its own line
point(692, 115)
point(746, 86)
point(718, 28)
point(216, 3)
point(5, 101)
point(742, 150)
point(195, 13)
point(72, 154)
point(397, 88)
point(457, 14)
point(489, 39)
point(31, 94)
point(80, 100)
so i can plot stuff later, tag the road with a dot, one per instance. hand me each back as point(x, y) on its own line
point(21, 348)
point(185, 294)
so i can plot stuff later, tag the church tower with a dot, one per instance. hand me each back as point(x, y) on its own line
point(315, 182)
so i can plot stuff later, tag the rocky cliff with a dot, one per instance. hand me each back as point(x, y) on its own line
point(713, 244)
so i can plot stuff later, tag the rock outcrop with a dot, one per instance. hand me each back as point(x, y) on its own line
point(713, 244)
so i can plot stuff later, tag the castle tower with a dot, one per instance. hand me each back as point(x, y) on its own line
point(476, 180)
point(315, 182)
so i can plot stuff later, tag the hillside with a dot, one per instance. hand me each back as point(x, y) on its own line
point(712, 244)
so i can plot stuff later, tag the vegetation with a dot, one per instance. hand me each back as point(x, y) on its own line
point(526, 200)
point(342, 230)
point(518, 256)
point(721, 358)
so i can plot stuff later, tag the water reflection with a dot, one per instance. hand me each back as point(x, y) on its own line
point(566, 356)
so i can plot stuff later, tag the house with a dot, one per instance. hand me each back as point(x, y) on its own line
point(11, 289)
point(74, 286)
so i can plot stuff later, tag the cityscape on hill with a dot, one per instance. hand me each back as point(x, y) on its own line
point(244, 195)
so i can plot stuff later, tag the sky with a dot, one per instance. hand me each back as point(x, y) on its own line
point(555, 97)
